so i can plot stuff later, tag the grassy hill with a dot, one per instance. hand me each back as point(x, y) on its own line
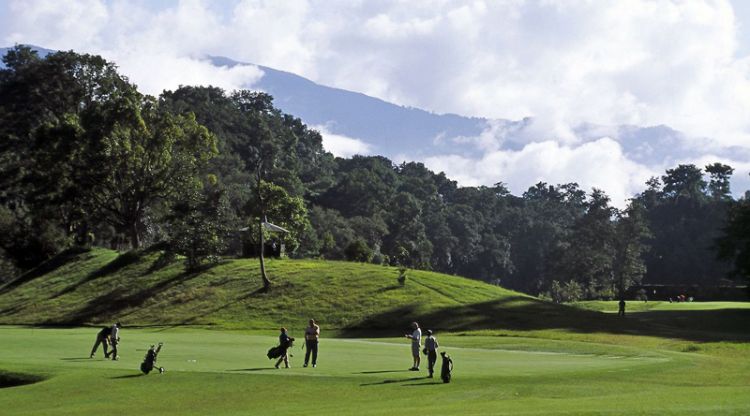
point(101, 285)
point(142, 289)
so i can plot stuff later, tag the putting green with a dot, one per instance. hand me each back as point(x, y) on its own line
point(223, 372)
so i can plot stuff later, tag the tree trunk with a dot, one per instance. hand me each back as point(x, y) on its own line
point(134, 242)
point(266, 282)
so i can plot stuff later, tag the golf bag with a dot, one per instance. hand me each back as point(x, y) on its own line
point(445, 371)
point(279, 350)
point(150, 359)
point(275, 352)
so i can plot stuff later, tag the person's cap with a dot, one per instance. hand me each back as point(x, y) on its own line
point(429, 332)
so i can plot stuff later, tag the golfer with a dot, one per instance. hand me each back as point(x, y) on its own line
point(416, 344)
point(102, 337)
point(312, 334)
point(285, 341)
point(114, 339)
point(431, 345)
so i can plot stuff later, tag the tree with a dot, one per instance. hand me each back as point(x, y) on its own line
point(47, 108)
point(274, 203)
point(199, 222)
point(684, 222)
point(734, 243)
point(686, 182)
point(588, 258)
point(718, 186)
point(149, 155)
point(631, 231)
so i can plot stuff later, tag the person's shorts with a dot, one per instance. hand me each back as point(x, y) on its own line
point(415, 349)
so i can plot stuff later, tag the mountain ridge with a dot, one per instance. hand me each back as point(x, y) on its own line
point(407, 133)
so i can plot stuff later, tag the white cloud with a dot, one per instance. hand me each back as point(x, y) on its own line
point(157, 50)
point(600, 164)
point(609, 62)
point(644, 62)
point(343, 146)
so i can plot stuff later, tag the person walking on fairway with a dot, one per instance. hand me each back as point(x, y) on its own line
point(312, 334)
point(285, 341)
point(102, 337)
point(114, 339)
point(416, 344)
point(621, 310)
point(431, 346)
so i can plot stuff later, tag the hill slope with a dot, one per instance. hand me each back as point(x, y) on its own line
point(100, 286)
point(141, 289)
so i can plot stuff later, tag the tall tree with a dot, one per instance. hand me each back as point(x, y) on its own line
point(274, 204)
point(718, 186)
point(631, 234)
point(734, 242)
point(150, 156)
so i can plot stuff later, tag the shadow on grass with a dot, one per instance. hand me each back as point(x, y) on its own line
point(47, 267)
point(524, 314)
point(252, 369)
point(391, 381)
point(127, 376)
point(120, 262)
point(76, 359)
point(8, 379)
point(112, 304)
point(427, 383)
point(382, 371)
point(192, 319)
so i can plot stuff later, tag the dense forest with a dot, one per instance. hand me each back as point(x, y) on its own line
point(85, 158)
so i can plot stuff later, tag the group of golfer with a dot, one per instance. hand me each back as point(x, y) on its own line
point(110, 337)
point(312, 335)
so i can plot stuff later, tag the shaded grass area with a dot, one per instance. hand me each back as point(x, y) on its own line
point(10, 379)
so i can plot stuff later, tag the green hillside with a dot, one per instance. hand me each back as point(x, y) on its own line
point(100, 285)
point(354, 299)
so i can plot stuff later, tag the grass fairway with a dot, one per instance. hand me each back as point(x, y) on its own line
point(514, 354)
point(226, 372)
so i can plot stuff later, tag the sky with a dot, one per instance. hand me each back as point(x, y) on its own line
point(685, 64)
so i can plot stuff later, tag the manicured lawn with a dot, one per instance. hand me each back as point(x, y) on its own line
point(226, 372)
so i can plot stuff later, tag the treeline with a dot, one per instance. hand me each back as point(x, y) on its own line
point(87, 159)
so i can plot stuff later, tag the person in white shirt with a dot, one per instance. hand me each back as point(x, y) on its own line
point(114, 340)
point(431, 345)
point(416, 344)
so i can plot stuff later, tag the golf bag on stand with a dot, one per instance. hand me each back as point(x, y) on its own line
point(447, 369)
point(150, 359)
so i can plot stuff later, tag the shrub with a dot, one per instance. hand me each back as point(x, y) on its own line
point(567, 292)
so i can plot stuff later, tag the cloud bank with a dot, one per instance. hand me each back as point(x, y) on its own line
point(564, 63)
point(343, 146)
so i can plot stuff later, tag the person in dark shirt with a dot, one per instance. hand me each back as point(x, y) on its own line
point(312, 333)
point(285, 341)
point(621, 310)
point(102, 337)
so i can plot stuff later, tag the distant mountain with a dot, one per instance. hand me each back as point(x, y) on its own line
point(394, 130)
point(397, 131)
point(389, 128)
